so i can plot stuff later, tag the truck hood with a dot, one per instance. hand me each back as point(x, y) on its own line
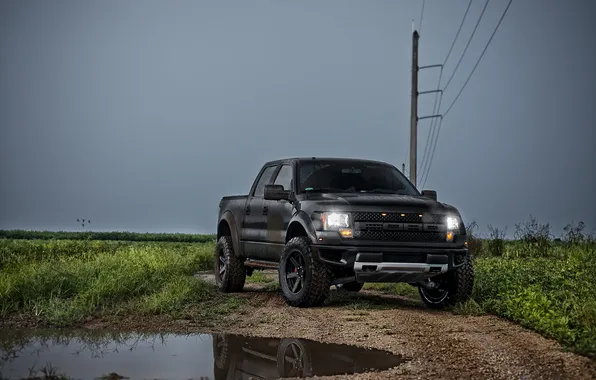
point(386, 202)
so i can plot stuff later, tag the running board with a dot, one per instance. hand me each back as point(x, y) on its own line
point(261, 264)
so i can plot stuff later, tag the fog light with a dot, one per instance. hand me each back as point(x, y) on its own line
point(450, 236)
point(345, 232)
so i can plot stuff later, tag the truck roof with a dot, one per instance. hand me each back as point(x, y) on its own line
point(340, 159)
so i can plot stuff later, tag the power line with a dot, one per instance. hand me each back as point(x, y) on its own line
point(467, 45)
point(464, 86)
point(433, 123)
point(458, 30)
point(435, 127)
point(432, 155)
point(434, 144)
point(479, 59)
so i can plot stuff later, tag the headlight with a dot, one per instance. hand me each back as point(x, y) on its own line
point(452, 223)
point(452, 227)
point(335, 220)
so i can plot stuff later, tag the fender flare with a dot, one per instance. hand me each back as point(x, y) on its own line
point(305, 221)
point(228, 217)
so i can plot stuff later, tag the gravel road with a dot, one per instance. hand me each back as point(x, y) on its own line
point(438, 344)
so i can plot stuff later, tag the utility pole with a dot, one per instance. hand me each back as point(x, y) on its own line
point(414, 108)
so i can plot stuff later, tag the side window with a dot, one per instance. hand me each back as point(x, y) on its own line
point(264, 180)
point(284, 177)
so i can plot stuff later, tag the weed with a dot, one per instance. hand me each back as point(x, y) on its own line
point(470, 307)
point(536, 236)
point(496, 244)
point(573, 233)
point(474, 242)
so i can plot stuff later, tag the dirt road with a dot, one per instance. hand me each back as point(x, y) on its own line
point(437, 344)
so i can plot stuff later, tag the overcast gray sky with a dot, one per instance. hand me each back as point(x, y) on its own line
point(140, 115)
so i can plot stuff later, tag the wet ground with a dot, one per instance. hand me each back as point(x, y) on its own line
point(88, 354)
point(435, 344)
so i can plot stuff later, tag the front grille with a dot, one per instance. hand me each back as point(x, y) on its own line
point(406, 236)
point(397, 217)
point(399, 226)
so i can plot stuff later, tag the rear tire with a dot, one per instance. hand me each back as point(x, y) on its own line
point(455, 286)
point(230, 272)
point(303, 281)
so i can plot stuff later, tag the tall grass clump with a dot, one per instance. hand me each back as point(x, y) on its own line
point(72, 280)
point(496, 243)
point(475, 244)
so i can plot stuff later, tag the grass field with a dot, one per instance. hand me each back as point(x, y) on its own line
point(61, 282)
point(115, 236)
point(544, 285)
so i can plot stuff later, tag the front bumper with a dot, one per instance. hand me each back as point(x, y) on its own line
point(391, 264)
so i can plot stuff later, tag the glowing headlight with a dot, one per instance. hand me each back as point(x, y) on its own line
point(335, 220)
point(452, 223)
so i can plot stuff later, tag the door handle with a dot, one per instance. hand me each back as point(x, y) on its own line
point(247, 211)
point(265, 210)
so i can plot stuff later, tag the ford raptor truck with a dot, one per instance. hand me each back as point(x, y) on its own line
point(341, 222)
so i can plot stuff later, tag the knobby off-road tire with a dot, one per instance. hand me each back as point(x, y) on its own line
point(351, 287)
point(457, 284)
point(230, 272)
point(297, 262)
point(226, 350)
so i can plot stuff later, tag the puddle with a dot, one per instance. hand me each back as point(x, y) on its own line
point(109, 355)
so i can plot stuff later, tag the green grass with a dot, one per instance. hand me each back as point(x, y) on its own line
point(400, 289)
point(63, 282)
point(258, 277)
point(119, 236)
point(554, 293)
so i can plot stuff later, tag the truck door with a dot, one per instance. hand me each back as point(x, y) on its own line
point(279, 214)
point(255, 222)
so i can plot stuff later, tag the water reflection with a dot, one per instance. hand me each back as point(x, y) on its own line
point(92, 355)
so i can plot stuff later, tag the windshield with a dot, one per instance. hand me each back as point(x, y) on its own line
point(352, 176)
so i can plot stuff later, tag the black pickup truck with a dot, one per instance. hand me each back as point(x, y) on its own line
point(325, 222)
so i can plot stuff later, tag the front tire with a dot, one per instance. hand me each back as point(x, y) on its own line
point(455, 286)
point(303, 281)
point(230, 272)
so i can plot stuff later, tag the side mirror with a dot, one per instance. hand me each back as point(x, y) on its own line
point(276, 193)
point(430, 194)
